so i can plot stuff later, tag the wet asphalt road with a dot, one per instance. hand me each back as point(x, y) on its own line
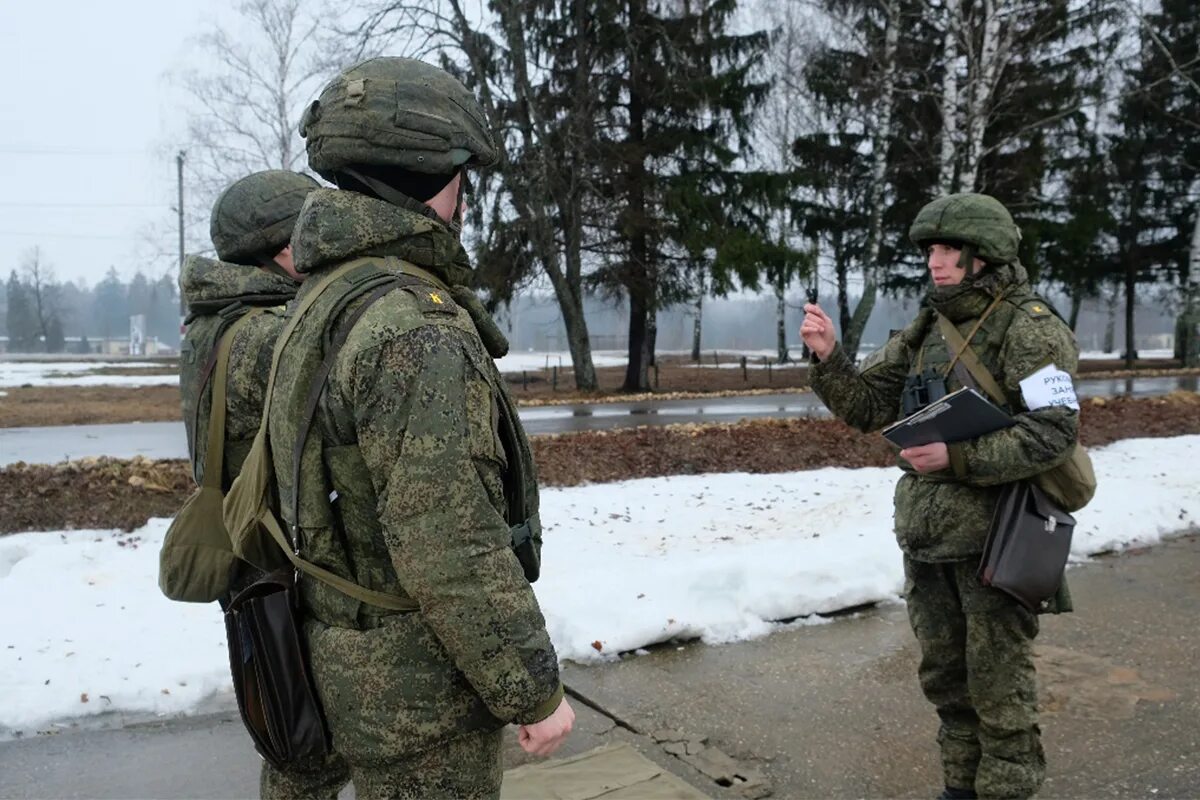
point(167, 440)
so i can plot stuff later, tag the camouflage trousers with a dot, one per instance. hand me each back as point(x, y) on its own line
point(467, 768)
point(977, 669)
point(318, 779)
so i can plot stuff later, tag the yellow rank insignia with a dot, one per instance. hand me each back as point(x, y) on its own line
point(1038, 309)
point(435, 297)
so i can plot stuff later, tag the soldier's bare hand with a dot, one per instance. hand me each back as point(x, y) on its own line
point(927, 457)
point(817, 331)
point(543, 738)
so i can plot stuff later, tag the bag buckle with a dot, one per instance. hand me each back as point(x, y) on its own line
point(1051, 524)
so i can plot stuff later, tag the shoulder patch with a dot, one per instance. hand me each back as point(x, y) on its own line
point(431, 300)
point(1037, 308)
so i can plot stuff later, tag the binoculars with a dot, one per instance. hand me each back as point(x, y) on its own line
point(922, 389)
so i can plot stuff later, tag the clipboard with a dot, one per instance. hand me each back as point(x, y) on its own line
point(959, 416)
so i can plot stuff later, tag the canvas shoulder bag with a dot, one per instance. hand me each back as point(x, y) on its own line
point(197, 562)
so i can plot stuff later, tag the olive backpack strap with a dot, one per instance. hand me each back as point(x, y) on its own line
point(317, 387)
point(218, 370)
point(964, 353)
point(267, 518)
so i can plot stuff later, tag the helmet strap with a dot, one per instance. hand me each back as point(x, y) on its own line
point(456, 222)
point(271, 265)
point(966, 259)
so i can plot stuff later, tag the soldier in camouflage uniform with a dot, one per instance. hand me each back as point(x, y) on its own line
point(402, 479)
point(251, 229)
point(976, 642)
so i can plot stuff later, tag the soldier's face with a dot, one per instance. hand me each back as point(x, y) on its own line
point(445, 201)
point(943, 265)
point(284, 260)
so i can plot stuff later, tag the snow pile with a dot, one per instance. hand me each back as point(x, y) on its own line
point(533, 361)
point(85, 629)
point(711, 556)
point(79, 373)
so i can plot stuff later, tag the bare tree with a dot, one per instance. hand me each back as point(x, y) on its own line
point(39, 276)
point(247, 105)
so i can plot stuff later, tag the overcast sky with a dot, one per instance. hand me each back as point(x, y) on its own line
point(88, 131)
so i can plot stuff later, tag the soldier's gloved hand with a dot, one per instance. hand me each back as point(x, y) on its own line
point(927, 457)
point(543, 738)
point(817, 331)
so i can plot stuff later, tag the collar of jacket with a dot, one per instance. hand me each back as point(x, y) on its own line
point(336, 225)
point(209, 285)
point(971, 298)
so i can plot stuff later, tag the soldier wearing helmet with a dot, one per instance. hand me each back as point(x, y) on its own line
point(249, 284)
point(251, 228)
point(414, 478)
point(976, 642)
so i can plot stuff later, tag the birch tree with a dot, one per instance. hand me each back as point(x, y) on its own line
point(952, 24)
point(782, 120)
point(881, 134)
point(842, 153)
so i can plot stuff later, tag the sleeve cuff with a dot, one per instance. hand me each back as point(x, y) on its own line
point(836, 364)
point(958, 460)
point(543, 709)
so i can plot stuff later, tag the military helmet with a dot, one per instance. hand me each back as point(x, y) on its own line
point(396, 112)
point(253, 218)
point(978, 220)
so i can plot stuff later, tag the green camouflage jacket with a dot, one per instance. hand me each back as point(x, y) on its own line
point(945, 515)
point(406, 444)
point(217, 294)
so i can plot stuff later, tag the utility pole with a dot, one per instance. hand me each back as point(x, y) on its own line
point(182, 305)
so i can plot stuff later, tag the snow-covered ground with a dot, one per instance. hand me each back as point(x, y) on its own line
point(79, 373)
point(538, 360)
point(751, 363)
point(541, 359)
point(1096, 355)
point(84, 629)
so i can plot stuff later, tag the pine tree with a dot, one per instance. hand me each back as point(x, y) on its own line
point(23, 326)
point(111, 306)
point(55, 341)
point(678, 94)
point(1170, 103)
point(1157, 159)
point(1076, 229)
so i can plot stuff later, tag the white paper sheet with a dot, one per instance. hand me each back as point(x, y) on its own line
point(1049, 386)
